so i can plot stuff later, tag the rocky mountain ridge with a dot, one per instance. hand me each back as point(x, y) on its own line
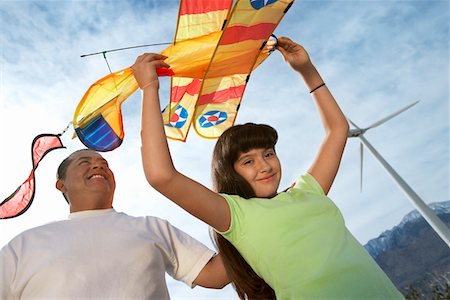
point(413, 255)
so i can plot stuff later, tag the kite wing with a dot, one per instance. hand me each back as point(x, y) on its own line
point(210, 88)
point(19, 201)
point(198, 32)
point(250, 26)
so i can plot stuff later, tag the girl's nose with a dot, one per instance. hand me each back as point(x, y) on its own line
point(264, 166)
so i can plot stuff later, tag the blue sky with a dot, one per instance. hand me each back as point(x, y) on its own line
point(375, 56)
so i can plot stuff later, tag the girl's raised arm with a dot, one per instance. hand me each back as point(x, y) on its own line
point(159, 170)
point(328, 158)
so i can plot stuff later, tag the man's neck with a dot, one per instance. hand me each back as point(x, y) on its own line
point(89, 204)
point(78, 209)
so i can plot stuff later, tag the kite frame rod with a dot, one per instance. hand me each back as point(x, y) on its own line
point(124, 48)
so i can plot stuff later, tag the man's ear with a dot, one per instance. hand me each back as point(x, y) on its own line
point(60, 185)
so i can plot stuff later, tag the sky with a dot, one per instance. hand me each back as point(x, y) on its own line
point(375, 56)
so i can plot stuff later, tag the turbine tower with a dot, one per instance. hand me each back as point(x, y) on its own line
point(441, 229)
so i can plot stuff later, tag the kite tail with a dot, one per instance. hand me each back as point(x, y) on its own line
point(20, 200)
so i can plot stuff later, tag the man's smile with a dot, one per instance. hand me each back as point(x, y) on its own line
point(96, 176)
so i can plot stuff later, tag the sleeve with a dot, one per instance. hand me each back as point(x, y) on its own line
point(186, 255)
point(233, 234)
point(307, 183)
point(8, 263)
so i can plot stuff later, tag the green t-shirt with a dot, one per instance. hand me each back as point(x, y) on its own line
point(298, 242)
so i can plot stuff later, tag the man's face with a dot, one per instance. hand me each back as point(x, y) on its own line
point(88, 178)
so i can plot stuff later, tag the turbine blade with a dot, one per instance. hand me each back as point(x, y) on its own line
point(361, 150)
point(391, 116)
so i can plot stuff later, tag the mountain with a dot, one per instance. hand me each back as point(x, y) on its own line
point(413, 255)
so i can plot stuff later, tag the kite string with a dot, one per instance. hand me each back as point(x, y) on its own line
point(65, 129)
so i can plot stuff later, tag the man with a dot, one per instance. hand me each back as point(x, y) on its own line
point(98, 252)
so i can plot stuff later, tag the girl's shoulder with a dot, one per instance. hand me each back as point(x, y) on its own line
point(307, 183)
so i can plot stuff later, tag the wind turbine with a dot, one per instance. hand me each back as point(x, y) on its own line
point(441, 229)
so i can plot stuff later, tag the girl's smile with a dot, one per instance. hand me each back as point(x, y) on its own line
point(267, 179)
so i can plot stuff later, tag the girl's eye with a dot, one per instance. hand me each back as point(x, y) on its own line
point(83, 162)
point(269, 154)
point(247, 162)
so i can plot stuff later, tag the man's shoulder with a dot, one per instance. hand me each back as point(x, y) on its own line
point(149, 221)
point(52, 225)
point(49, 228)
point(123, 215)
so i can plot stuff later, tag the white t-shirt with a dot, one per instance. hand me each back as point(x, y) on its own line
point(99, 254)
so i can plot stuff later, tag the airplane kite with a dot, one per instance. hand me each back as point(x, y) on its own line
point(214, 52)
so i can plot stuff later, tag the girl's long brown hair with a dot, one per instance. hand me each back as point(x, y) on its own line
point(235, 140)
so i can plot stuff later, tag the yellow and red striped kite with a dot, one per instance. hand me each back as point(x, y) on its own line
point(216, 47)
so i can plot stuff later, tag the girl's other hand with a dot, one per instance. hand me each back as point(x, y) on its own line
point(294, 54)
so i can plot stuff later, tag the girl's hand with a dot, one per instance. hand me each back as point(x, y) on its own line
point(294, 54)
point(144, 69)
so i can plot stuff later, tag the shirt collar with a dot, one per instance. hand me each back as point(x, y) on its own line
point(91, 213)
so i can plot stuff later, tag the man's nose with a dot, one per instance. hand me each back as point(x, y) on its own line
point(97, 165)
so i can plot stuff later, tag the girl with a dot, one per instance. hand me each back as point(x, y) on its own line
point(296, 241)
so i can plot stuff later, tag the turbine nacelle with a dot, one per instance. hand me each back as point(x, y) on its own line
point(355, 132)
